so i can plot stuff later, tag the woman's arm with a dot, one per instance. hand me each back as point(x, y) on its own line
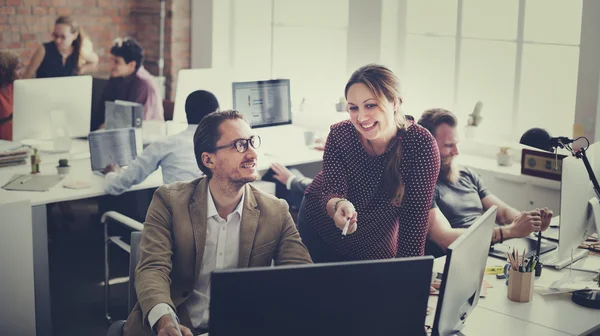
point(422, 167)
point(335, 171)
point(90, 58)
point(36, 60)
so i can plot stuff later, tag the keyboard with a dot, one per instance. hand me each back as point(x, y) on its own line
point(551, 258)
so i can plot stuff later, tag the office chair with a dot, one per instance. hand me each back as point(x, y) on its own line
point(169, 109)
point(116, 328)
point(112, 216)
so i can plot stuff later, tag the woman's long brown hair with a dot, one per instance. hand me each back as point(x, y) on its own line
point(78, 43)
point(385, 86)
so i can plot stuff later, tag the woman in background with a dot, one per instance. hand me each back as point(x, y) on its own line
point(69, 53)
point(10, 70)
point(377, 181)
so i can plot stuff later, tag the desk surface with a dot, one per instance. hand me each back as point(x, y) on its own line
point(80, 171)
point(556, 312)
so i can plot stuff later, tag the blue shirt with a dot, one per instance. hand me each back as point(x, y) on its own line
point(175, 155)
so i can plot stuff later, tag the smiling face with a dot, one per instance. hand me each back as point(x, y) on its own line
point(446, 137)
point(373, 119)
point(120, 68)
point(228, 165)
point(63, 36)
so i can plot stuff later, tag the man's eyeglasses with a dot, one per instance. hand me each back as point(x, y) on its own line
point(241, 145)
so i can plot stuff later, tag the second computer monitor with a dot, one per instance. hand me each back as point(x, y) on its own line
point(264, 103)
point(43, 105)
point(463, 275)
point(576, 191)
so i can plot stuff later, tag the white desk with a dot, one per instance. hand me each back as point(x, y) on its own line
point(554, 312)
point(80, 170)
point(489, 323)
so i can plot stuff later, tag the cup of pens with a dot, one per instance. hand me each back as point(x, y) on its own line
point(520, 277)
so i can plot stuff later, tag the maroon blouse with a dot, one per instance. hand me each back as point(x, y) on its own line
point(384, 230)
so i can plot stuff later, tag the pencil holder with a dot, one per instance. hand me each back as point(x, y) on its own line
point(520, 286)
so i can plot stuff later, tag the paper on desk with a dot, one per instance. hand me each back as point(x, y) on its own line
point(482, 293)
point(566, 285)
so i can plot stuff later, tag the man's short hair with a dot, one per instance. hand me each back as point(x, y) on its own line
point(207, 135)
point(198, 105)
point(129, 49)
point(433, 118)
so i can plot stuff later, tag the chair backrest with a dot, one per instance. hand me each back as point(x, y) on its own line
point(169, 108)
point(134, 257)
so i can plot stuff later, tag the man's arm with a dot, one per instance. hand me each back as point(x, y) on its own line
point(290, 249)
point(440, 231)
point(443, 234)
point(299, 184)
point(137, 171)
point(152, 280)
point(505, 215)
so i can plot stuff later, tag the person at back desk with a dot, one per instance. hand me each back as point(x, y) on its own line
point(70, 53)
point(129, 81)
point(216, 222)
point(460, 195)
point(11, 69)
point(174, 154)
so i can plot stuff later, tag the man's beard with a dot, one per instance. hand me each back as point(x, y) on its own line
point(448, 170)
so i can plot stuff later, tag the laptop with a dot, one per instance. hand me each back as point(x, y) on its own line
point(529, 244)
point(380, 297)
point(116, 146)
point(463, 275)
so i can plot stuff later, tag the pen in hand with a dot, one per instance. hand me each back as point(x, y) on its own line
point(175, 323)
point(345, 230)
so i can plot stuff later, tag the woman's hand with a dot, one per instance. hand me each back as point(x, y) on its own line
point(345, 211)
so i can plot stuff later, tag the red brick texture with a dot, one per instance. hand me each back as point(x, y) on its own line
point(25, 23)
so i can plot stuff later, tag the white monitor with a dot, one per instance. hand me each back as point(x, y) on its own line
point(264, 103)
point(36, 101)
point(216, 81)
point(576, 198)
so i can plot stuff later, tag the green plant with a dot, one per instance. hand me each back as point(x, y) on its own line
point(63, 163)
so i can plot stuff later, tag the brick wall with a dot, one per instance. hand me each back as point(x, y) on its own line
point(25, 23)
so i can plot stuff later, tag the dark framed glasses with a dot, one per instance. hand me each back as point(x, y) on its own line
point(241, 145)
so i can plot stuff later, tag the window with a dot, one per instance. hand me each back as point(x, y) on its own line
point(511, 55)
point(290, 39)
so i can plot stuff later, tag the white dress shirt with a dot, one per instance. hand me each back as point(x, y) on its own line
point(220, 251)
point(174, 154)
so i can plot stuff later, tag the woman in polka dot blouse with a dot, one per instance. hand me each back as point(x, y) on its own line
point(377, 174)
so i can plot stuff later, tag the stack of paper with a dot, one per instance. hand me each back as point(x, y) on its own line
point(12, 153)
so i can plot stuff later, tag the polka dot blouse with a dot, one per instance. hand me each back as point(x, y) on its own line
point(384, 230)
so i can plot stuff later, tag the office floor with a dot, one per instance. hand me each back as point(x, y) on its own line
point(76, 254)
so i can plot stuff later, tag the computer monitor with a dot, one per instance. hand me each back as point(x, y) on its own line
point(264, 103)
point(576, 192)
point(463, 275)
point(381, 297)
point(36, 102)
point(215, 80)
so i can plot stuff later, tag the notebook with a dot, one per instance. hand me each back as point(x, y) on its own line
point(116, 146)
point(29, 182)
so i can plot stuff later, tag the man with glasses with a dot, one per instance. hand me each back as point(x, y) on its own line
point(216, 222)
